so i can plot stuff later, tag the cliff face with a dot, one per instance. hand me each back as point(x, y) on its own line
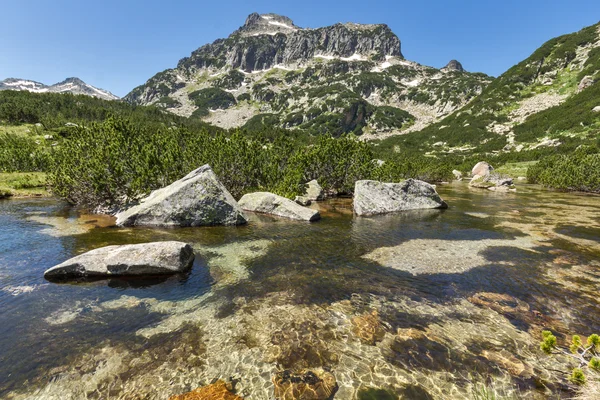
point(268, 40)
point(344, 71)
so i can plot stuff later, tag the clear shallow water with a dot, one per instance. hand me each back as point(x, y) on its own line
point(459, 297)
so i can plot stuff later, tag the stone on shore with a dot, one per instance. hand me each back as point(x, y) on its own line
point(457, 174)
point(314, 191)
point(303, 200)
point(198, 199)
point(156, 258)
point(373, 197)
point(270, 203)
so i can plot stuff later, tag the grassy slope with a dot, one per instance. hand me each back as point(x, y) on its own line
point(23, 184)
point(467, 130)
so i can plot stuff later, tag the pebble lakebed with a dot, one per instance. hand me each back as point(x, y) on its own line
point(424, 303)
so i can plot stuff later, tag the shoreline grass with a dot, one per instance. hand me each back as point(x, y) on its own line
point(23, 184)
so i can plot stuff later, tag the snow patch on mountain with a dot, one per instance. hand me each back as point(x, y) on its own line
point(69, 85)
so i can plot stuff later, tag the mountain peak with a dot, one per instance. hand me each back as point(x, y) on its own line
point(454, 65)
point(73, 79)
point(271, 24)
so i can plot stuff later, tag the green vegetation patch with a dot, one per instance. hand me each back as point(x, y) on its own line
point(231, 80)
point(386, 117)
point(575, 115)
point(212, 99)
point(23, 184)
point(515, 169)
point(579, 171)
point(261, 122)
point(54, 110)
point(23, 153)
point(168, 102)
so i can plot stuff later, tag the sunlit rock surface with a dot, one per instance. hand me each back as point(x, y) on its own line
point(373, 197)
point(269, 203)
point(155, 258)
point(426, 256)
point(314, 191)
point(215, 391)
point(198, 199)
point(306, 385)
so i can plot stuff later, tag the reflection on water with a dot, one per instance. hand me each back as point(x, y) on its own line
point(425, 303)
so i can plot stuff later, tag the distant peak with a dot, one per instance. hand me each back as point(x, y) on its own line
point(72, 79)
point(454, 65)
point(72, 85)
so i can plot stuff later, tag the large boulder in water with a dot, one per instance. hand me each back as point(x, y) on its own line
point(482, 169)
point(373, 197)
point(198, 199)
point(269, 203)
point(484, 177)
point(157, 258)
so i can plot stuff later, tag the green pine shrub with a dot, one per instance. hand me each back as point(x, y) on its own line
point(579, 171)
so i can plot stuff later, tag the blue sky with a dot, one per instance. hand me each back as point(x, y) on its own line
point(117, 45)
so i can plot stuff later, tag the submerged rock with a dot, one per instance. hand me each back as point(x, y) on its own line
point(373, 197)
point(216, 391)
point(316, 384)
point(368, 327)
point(198, 199)
point(314, 191)
point(270, 203)
point(156, 258)
point(493, 182)
point(436, 256)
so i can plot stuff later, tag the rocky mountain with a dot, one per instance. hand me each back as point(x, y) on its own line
point(337, 79)
point(69, 85)
point(550, 99)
